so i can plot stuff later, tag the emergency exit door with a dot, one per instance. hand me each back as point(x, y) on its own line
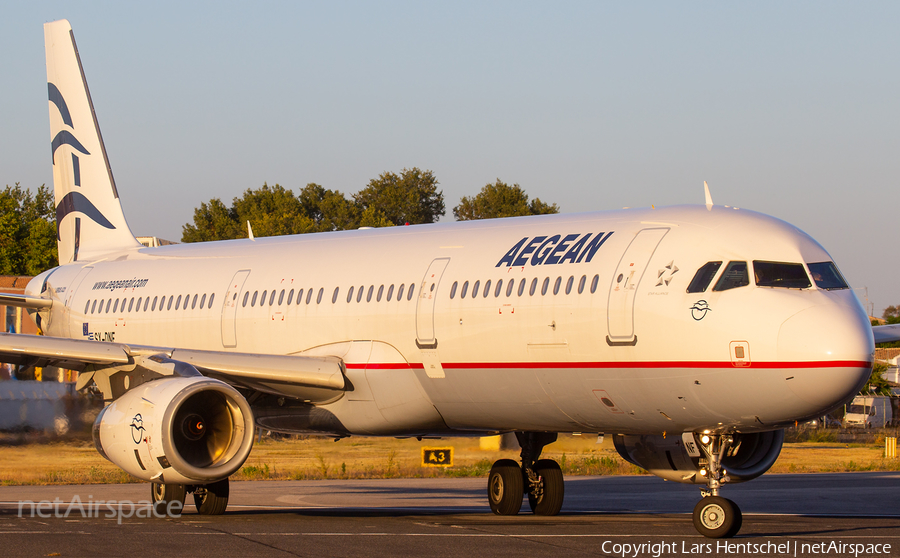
point(229, 308)
point(428, 289)
point(625, 282)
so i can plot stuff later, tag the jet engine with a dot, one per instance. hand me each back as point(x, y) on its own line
point(177, 430)
point(679, 459)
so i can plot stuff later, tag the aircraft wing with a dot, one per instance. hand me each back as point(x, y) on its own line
point(304, 377)
point(886, 333)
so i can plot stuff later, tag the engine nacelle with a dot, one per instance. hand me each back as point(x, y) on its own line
point(176, 430)
point(750, 456)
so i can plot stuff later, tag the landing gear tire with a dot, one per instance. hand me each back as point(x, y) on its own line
point(505, 487)
point(211, 499)
point(717, 518)
point(552, 488)
point(168, 499)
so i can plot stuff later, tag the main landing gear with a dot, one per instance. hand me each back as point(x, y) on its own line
point(210, 499)
point(541, 479)
point(716, 517)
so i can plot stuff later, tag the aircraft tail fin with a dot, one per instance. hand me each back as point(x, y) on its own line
point(89, 217)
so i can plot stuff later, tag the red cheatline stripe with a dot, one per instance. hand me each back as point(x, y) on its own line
point(588, 365)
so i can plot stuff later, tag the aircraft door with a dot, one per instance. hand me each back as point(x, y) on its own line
point(428, 290)
point(229, 308)
point(620, 310)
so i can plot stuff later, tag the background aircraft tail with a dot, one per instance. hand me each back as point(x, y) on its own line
point(89, 217)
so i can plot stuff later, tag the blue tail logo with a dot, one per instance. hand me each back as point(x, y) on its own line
point(73, 201)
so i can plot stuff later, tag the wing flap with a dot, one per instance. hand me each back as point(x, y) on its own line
point(296, 373)
point(18, 347)
point(320, 372)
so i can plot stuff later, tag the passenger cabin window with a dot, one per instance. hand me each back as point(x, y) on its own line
point(211, 297)
point(410, 292)
point(779, 274)
point(475, 288)
point(703, 277)
point(734, 276)
point(827, 276)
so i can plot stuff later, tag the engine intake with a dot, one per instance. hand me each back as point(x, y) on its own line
point(750, 456)
point(181, 430)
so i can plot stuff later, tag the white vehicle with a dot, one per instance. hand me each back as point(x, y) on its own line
point(860, 413)
point(693, 334)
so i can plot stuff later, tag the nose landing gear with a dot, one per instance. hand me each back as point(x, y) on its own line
point(716, 517)
point(540, 479)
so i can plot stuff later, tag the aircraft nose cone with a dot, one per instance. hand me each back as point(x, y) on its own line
point(830, 348)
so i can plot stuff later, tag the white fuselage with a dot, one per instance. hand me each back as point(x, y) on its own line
point(624, 349)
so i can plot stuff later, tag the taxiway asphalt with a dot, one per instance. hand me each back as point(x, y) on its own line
point(784, 515)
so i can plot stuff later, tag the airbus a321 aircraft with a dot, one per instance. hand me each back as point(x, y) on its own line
point(691, 334)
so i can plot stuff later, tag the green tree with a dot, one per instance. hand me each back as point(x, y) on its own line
point(410, 197)
point(500, 200)
point(212, 221)
point(328, 209)
point(892, 314)
point(271, 212)
point(27, 231)
point(876, 384)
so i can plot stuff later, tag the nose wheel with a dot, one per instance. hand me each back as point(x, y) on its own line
point(716, 517)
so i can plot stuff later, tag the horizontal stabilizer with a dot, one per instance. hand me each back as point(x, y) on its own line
point(24, 301)
point(886, 333)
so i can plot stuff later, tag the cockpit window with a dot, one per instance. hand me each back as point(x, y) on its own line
point(703, 277)
point(734, 276)
point(827, 276)
point(779, 274)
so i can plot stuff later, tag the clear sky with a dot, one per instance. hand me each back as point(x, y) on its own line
point(788, 108)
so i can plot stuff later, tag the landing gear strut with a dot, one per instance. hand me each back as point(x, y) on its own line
point(540, 479)
point(716, 517)
point(210, 499)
